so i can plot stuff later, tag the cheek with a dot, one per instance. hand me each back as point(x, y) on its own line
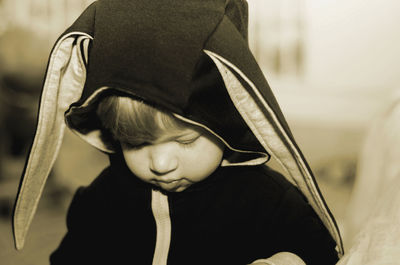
point(136, 162)
point(203, 162)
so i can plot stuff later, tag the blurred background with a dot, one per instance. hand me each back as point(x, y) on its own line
point(334, 66)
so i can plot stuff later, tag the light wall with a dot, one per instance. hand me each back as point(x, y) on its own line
point(351, 63)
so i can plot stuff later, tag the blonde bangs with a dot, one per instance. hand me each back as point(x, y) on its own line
point(135, 122)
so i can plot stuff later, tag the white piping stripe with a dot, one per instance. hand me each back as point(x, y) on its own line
point(255, 128)
point(160, 208)
point(94, 138)
point(291, 168)
point(257, 161)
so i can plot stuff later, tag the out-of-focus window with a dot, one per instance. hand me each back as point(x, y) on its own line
point(276, 32)
point(44, 17)
point(28, 30)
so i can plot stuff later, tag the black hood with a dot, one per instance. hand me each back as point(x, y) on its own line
point(158, 55)
point(190, 57)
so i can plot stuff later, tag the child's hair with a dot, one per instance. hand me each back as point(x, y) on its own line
point(134, 122)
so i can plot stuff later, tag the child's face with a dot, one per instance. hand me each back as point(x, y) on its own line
point(176, 161)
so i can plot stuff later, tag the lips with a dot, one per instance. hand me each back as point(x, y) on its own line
point(168, 185)
point(167, 181)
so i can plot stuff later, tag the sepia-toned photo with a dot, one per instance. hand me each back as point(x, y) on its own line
point(202, 132)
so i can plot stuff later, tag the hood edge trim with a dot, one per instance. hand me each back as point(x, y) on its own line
point(98, 144)
point(307, 177)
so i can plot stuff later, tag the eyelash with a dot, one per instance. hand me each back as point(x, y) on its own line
point(184, 144)
point(138, 146)
point(189, 143)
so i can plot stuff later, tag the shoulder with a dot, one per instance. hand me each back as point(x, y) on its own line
point(94, 198)
point(109, 183)
point(98, 187)
point(260, 179)
point(87, 196)
point(260, 186)
point(112, 191)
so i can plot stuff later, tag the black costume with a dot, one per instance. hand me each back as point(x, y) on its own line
point(235, 216)
point(190, 58)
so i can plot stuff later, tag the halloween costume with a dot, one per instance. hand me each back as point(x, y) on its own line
point(235, 216)
point(187, 57)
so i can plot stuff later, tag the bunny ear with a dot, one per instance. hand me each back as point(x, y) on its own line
point(65, 78)
point(254, 100)
point(274, 137)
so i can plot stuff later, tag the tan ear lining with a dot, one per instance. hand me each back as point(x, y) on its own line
point(271, 135)
point(63, 85)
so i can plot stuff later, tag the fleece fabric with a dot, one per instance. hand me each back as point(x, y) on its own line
point(235, 216)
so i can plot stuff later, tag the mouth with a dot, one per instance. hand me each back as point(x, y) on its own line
point(167, 181)
point(170, 185)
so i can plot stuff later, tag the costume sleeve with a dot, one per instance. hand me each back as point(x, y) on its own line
point(301, 231)
point(79, 244)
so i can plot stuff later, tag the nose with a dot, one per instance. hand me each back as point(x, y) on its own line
point(162, 160)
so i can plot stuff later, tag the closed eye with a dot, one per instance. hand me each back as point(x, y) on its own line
point(188, 142)
point(135, 146)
